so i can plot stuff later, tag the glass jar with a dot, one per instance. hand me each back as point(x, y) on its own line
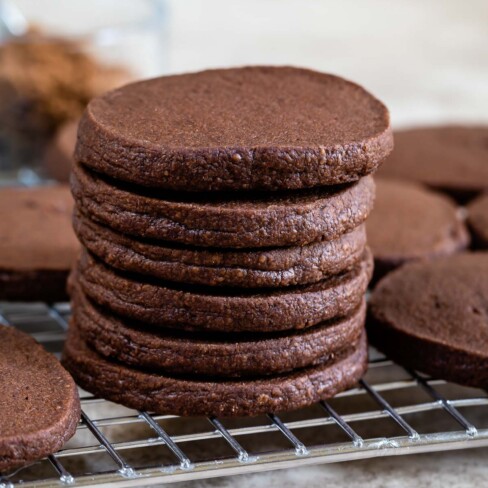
point(54, 57)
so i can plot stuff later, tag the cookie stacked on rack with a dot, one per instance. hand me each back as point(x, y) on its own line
point(225, 260)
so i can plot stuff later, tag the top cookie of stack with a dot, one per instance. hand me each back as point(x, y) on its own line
point(236, 129)
point(228, 201)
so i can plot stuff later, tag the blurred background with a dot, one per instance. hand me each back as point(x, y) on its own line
point(426, 59)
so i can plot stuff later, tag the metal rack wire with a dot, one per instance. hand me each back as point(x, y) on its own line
point(392, 411)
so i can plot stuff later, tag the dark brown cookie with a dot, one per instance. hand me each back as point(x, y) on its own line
point(273, 267)
point(39, 407)
point(195, 396)
point(228, 310)
point(245, 221)
point(478, 221)
point(37, 243)
point(244, 128)
point(410, 222)
point(451, 159)
point(216, 355)
point(433, 317)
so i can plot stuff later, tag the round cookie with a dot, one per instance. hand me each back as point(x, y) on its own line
point(450, 159)
point(39, 407)
point(184, 396)
point(410, 222)
point(275, 267)
point(433, 317)
point(190, 306)
point(245, 128)
point(37, 244)
point(225, 221)
point(478, 221)
point(220, 355)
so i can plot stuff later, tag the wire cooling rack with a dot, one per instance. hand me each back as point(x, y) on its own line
point(391, 411)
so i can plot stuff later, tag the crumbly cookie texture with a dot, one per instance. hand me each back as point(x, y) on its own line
point(40, 407)
point(214, 355)
point(207, 308)
point(243, 128)
point(271, 267)
point(181, 396)
point(230, 221)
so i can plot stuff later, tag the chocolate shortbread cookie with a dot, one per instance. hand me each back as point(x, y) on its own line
point(478, 221)
point(451, 159)
point(410, 222)
point(235, 221)
point(273, 267)
point(216, 355)
point(194, 396)
point(39, 407)
point(244, 128)
point(433, 317)
point(37, 243)
point(230, 310)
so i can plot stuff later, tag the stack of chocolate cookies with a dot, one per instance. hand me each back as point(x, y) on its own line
point(225, 260)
